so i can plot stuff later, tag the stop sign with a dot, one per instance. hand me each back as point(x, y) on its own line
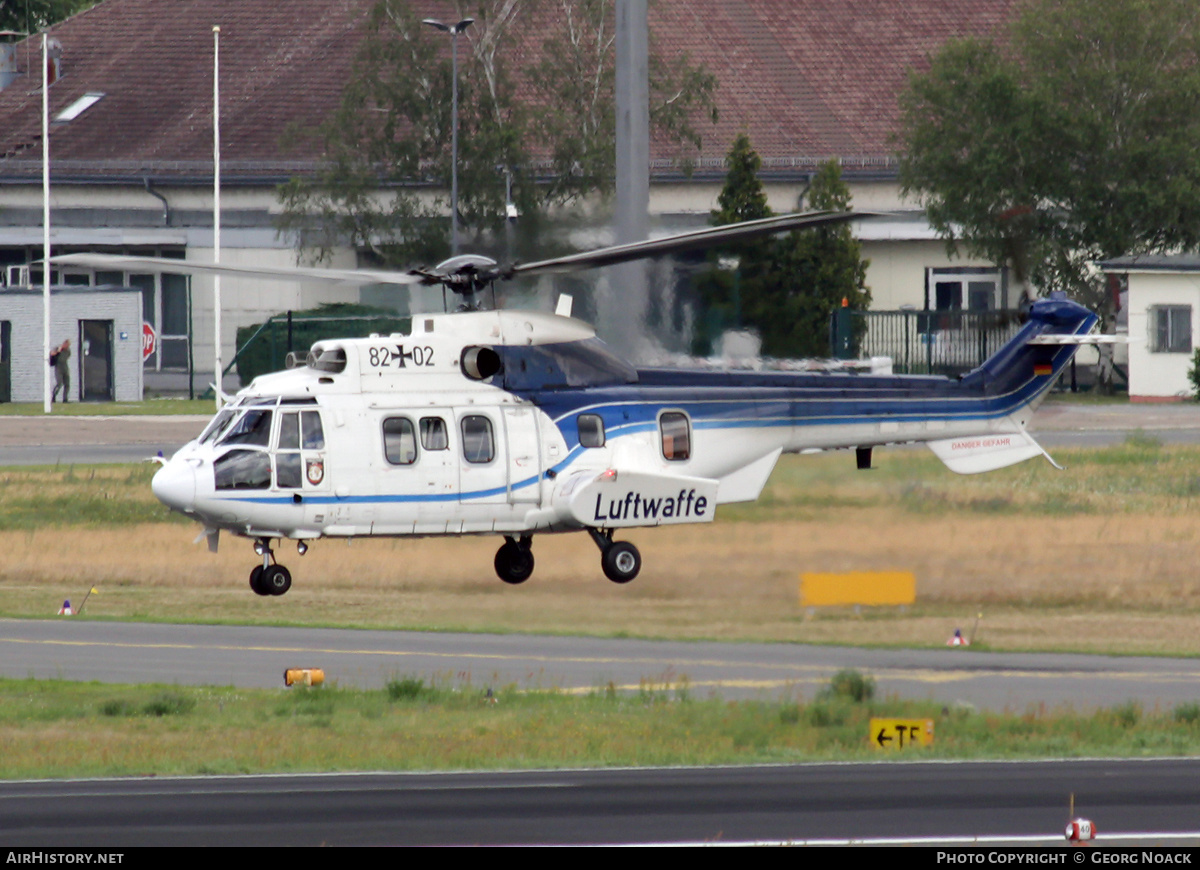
point(149, 341)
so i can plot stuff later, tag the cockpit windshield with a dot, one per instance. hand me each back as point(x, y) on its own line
point(253, 427)
point(218, 425)
point(584, 363)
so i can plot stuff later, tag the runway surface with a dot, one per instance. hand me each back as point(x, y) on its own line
point(1011, 808)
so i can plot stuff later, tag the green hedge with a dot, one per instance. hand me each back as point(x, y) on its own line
point(266, 351)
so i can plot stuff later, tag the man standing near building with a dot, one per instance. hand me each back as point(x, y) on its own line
point(61, 360)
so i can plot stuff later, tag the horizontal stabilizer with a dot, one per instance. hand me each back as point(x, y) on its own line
point(746, 484)
point(1096, 338)
point(974, 454)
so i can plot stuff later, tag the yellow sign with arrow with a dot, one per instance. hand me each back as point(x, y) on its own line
point(900, 733)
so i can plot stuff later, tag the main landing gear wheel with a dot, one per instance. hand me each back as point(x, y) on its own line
point(514, 561)
point(621, 561)
point(276, 580)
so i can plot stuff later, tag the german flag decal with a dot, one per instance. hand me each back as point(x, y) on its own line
point(1043, 369)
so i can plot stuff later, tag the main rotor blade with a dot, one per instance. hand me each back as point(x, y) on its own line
point(274, 273)
point(704, 238)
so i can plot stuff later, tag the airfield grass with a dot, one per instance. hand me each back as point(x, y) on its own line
point(1099, 558)
point(63, 729)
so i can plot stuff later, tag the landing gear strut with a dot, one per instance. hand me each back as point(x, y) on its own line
point(620, 560)
point(514, 560)
point(268, 578)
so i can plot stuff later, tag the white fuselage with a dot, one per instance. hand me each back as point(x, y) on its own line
point(543, 430)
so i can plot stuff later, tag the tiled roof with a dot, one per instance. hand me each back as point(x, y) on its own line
point(806, 78)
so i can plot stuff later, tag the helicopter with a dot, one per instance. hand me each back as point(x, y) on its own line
point(521, 423)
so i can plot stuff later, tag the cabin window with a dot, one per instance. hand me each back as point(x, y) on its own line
point(478, 444)
point(591, 430)
point(676, 436)
point(243, 469)
point(434, 435)
point(253, 427)
point(399, 441)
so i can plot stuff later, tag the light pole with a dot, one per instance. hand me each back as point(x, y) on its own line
point(454, 30)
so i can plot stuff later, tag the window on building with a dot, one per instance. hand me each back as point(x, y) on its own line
point(1170, 329)
point(967, 289)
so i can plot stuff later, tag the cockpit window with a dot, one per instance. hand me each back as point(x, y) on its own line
point(289, 432)
point(243, 469)
point(585, 363)
point(310, 427)
point(253, 427)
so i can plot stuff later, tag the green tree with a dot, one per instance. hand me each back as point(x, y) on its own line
point(785, 288)
point(816, 271)
point(30, 16)
point(1071, 141)
point(390, 139)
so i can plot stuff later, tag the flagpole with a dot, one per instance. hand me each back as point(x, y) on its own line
point(217, 211)
point(46, 394)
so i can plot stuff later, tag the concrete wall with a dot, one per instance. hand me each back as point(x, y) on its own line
point(68, 307)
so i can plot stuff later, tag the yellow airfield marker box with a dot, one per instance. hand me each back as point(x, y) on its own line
point(858, 587)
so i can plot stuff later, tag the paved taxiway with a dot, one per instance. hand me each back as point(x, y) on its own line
point(257, 656)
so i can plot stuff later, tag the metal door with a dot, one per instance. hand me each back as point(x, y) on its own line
point(96, 360)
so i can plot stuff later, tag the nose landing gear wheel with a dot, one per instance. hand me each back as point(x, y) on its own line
point(514, 561)
point(621, 561)
point(268, 579)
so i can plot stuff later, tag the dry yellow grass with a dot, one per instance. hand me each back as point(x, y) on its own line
point(1100, 557)
point(1081, 582)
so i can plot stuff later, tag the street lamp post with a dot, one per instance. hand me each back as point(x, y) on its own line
point(454, 30)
